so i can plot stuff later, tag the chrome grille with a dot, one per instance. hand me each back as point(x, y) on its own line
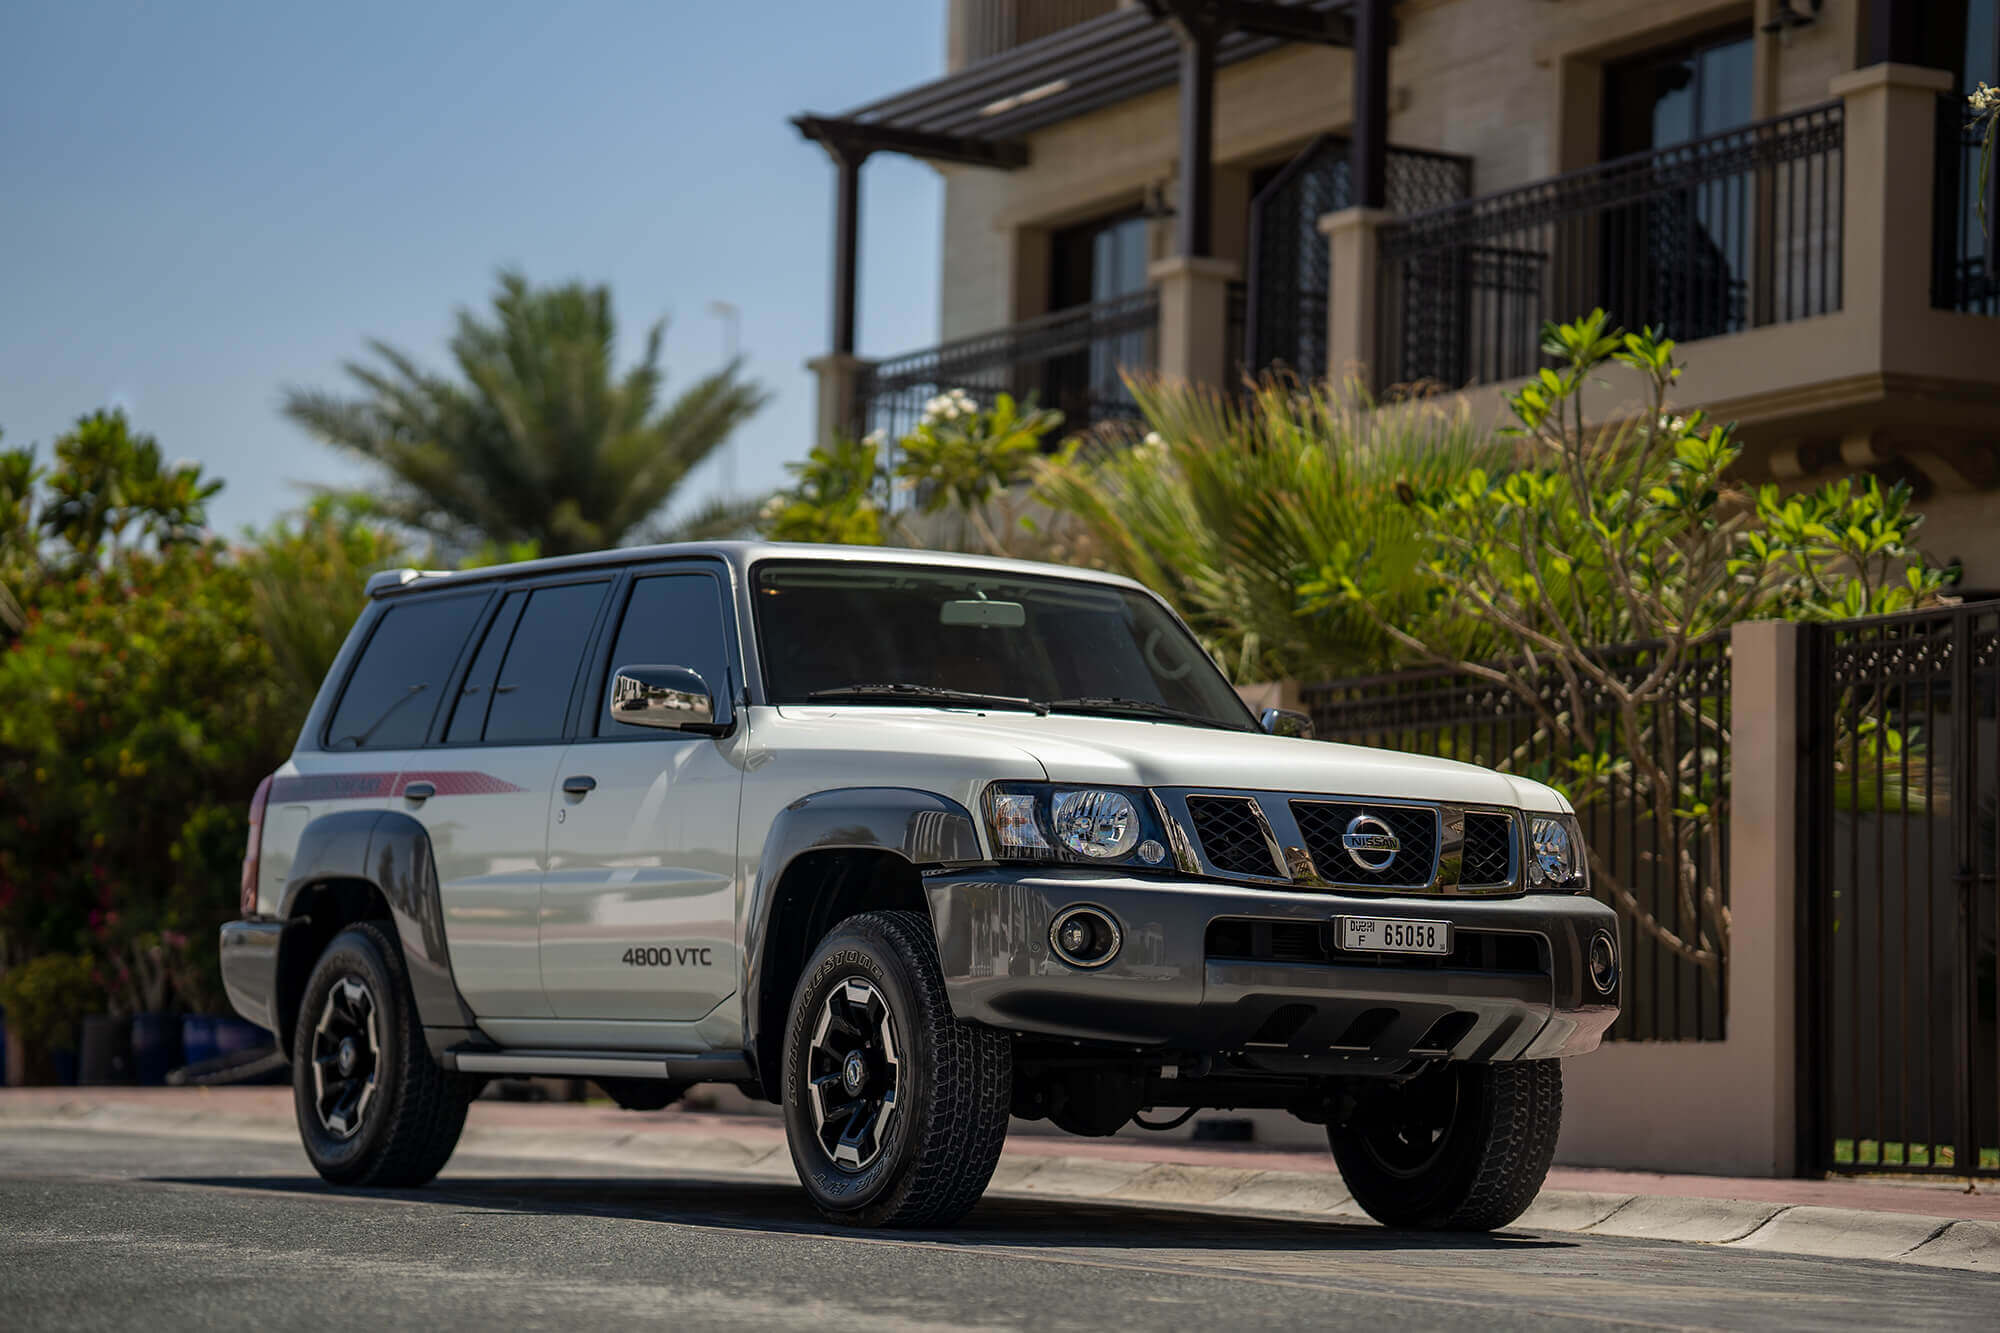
point(1322, 823)
point(1489, 848)
point(1231, 834)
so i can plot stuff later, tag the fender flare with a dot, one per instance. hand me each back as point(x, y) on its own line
point(390, 852)
point(922, 827)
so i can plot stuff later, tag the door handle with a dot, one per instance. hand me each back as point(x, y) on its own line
point(419, 791)
point(579, 785)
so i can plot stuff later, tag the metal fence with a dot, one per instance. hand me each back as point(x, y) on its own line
point(1714, 236)
point(1900, 1050)
point(1070, 359)
point(1437, 712)
point(1289, 270)
point(1963, 278)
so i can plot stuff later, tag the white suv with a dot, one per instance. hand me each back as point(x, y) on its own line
point(908, 843)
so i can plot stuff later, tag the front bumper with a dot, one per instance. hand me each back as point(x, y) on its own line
point(1523, 992)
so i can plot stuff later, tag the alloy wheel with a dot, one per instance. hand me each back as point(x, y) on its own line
point(1407, 1127)
point(852, 1070)
point(346, 1057)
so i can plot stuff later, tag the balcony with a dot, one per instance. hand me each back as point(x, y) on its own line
point(1737, 231)
point(1071, 360)
point(1824, 274)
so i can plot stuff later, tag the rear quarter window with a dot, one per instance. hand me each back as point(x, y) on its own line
point(394, 690)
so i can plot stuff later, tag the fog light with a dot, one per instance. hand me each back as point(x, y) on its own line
point(1084, 937)
point(1603, 962)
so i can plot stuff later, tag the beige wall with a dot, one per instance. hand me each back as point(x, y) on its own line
point(1510, 83)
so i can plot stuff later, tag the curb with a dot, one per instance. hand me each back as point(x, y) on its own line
point(1804, 1229)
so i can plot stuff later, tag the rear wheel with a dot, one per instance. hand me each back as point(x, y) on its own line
point(1458, 1148)
point(895, 1110)
point(373, 1107)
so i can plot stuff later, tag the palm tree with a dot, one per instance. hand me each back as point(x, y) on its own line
point(538, 438)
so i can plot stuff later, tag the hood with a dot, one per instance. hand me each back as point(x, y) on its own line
point(1129, 752)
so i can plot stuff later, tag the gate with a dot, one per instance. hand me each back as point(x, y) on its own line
point(1899, 1047)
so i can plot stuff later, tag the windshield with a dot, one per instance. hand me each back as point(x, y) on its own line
point(911, 634)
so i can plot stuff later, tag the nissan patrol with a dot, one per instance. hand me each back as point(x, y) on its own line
point(907, 843)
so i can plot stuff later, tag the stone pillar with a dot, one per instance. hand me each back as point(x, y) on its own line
point(1766, 750)
point(1194, 318)
point(1351, 292)
point(1891, 127)
point(839, 377)
point(1725, 1107)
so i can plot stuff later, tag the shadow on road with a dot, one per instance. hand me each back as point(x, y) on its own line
point(997, 1221)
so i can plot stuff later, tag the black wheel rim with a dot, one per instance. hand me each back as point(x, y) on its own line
point(346, 1057)
point(852, 1068)
point(1409, 1126)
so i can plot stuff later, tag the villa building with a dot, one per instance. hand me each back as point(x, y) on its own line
point(1405, 191)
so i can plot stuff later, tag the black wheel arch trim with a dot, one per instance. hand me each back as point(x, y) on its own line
point(391, 853)
point(923, 828)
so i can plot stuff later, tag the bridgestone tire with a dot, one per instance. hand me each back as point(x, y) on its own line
point(412, 1121)
point(953, 1085)
point(1487, 1167)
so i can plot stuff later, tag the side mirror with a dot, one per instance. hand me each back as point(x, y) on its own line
point(1284, 722)
point(671, 698)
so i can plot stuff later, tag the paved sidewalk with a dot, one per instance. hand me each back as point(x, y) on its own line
point(1921, 1222)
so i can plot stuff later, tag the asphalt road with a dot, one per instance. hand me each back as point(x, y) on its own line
point(102, 1230)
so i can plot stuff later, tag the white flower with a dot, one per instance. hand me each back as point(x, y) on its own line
point(877, 437)
point(1984, 98)
point(772, 508)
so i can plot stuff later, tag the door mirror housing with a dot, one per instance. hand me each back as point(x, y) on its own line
point(1284, 722)
point(670, 698)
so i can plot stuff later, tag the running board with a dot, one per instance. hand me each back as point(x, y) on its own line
point(599, 1064)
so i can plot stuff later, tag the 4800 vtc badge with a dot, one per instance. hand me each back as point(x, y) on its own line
point(664, 957)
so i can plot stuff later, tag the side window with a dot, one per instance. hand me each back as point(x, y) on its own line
point(468, 719)
point(531, 694)
point(670, 620)
point(395, 689)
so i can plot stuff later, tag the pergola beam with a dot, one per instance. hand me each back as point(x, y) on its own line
point(1291, 23)
point(864, 137)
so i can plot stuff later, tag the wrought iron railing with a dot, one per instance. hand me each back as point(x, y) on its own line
point(1072, 360)
point(1668, 997)
point(1964, 278)
point(1285, 324)
point(1730, 232)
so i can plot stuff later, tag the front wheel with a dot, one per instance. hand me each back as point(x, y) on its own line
point(895, 1110)
point(373, 1107)
point(1458, 1148)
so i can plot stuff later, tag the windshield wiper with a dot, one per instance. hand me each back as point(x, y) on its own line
point(1117, 706)
point(930, 694)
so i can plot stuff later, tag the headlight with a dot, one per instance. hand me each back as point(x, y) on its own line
point(1095, 823)
point(1555, 853)
point(1037, 821)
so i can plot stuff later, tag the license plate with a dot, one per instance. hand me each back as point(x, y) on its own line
point(1375, 934)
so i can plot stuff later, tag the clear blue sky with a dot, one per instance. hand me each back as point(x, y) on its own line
point(204, 203)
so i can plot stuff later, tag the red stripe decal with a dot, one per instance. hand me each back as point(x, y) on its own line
point(458, 782)
point(376, 786)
